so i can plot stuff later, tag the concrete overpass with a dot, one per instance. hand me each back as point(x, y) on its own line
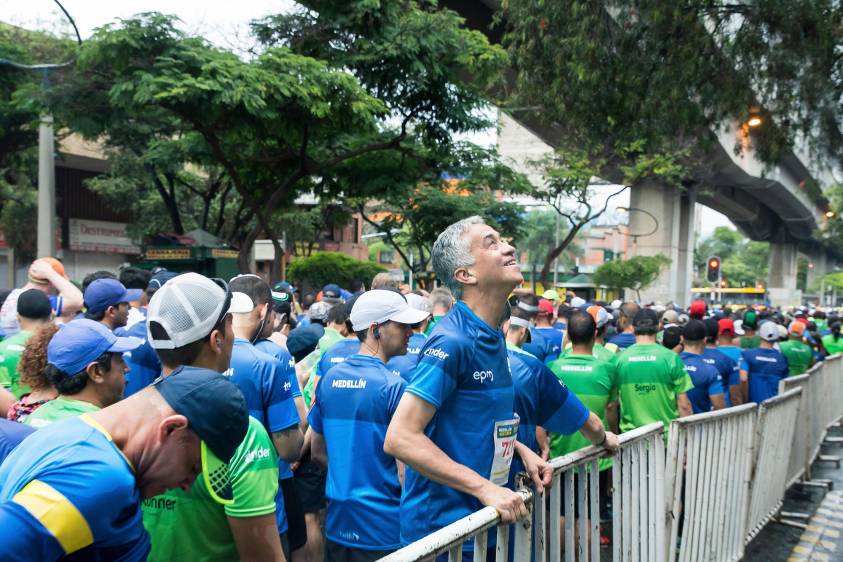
point(766, 204)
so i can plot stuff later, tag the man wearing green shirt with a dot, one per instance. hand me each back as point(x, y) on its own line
point(750, 340)
point(652, 381)
point(603, 351)
point(591, 379)
point(193, 524)
point(799, 354)
point(85, 364)
point(34, 311)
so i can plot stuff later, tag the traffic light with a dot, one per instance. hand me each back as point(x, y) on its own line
point(713, 274)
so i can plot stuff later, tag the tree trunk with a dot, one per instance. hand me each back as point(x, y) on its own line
point(244, 257)
point(544, 276)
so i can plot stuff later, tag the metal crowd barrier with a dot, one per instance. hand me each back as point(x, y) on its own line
point(709, 459)
point(799, 460)
point(775, 427)
point(637, 514)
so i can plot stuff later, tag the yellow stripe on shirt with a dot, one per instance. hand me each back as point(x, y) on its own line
point(57, 514)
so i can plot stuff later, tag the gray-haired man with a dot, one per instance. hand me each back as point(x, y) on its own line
point(455, 427)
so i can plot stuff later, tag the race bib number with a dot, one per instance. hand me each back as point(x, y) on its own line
point(505, 434)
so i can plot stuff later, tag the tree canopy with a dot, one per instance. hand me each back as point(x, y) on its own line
point(744, 263)
point(334, 88)
point(634, 80)
point(636, 273)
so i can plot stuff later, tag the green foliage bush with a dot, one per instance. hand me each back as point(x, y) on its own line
point(322, 268)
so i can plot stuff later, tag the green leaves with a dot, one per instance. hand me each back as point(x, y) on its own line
point(635, 273)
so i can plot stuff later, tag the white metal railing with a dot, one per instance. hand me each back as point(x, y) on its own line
point(707, 482)
point(800, 450)
point(637, 520)
point(775, 428)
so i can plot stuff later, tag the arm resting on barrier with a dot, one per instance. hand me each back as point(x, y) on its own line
point(744, 386)
point(407, 442)
point(684, 405)
point(539, 470)
point(542, 439)
point(594, 431)
point(718, 401)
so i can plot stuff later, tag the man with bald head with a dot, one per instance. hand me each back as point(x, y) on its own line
point(75, 487)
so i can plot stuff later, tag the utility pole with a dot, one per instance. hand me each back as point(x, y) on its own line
point(556, 245)
point(46, 187)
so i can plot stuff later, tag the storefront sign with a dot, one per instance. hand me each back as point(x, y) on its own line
point(100, 236)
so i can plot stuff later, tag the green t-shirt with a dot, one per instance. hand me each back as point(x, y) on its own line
point(799, 356)
point(594, 382)
point(59, 409)
point(750, 342)
point(10, 350)
point(192, 526)
point(821, 323)
point(832, 346)
point(432, 324)
point(650, 377)
point(608, 352)
point(329, 338)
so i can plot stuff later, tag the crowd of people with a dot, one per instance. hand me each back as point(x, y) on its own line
point(170, 416)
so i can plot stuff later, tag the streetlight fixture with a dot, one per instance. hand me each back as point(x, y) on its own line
point(829, 214)
point(649, 214)
point(755, 121)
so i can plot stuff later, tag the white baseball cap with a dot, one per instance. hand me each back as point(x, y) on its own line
point(379, 306)
point(769, 331)
point(577, 302)
point(418, 302)
point(188, 307)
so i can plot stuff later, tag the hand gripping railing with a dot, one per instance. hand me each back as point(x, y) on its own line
point(638, 521)
point(774, 433)
point(707, 473)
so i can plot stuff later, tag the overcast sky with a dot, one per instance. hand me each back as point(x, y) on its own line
point(223, 23)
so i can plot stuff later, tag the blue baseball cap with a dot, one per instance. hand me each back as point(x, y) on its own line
point(159, 279)
point(103, 293)
point(79, 343)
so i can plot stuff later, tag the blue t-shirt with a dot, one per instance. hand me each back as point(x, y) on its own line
point(143, 363)
point(541, 399)
point(623, 340)
point(404, 365)
point(11, 434)
point(706, 381)
point(538, 346)
point(68, 489)
point(354, 404)
point(553, 343)
point(727, 368)
point(732, 352)
point(766, 367)
point(336, 354)
point(275, 350)
point(464, 373)
point(265, 384)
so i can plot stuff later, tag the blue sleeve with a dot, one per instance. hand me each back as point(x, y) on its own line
point(744, 364)
point(57, 304)
point(24, 538)
point(278, 402)
point(715, 385)
point(322, 366)
point(393, 392)
point(288, 365)
point(438, 369)
point(314, 418)
point(560, 411)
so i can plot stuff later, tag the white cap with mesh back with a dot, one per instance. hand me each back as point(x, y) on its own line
point(188, 307)
point(418, 302)
point(379, 306)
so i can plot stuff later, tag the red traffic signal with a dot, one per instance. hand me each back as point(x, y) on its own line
point(713, 273)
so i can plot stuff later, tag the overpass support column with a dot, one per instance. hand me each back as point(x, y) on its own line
point(670, 212)
point(782, 271)
point(818, 267)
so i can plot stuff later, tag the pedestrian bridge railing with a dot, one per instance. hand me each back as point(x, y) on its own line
point(722, 479)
